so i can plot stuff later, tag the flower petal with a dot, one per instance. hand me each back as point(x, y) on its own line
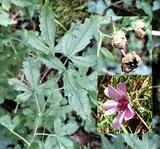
point(112, 92)
point(129, 113)
point(106, 91)
point(111, 111)
point(118, 120)
point(110, 104)
point(122, 88)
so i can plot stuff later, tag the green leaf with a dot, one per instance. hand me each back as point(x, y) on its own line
point(86, 61)
point(117, 142)
point(141, 4)
point(133, 141)
point(24, 96)
point(5, 20)
point(99, 7)
point(19, 85)
point(7, 122)
point(127, 4)
point(59, 142)
point(53, 62)
point(31, 71)
point(77, 96)
point(105, 143)
point(21, 3)
point(156, 5)
point(107, 54)
point(48, 87)
point(6, 4)
point(37, 44)
point(47, 26)
point(147, 141)
point(65, 142)
point(67, 129)
point(78, 37)
point(51, 143)
point(86, 83)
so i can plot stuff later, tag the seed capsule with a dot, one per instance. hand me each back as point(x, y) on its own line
point(140, 29)
point(130, 62)
point(119, 40)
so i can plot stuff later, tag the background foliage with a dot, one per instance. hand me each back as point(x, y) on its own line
point(48, 77)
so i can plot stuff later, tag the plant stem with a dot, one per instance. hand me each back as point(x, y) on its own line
point(60, 24)
point(35, 131)
point(113, 25)
point(13, 47)
point(99, 44)
point(143, 122)
point(43, 109)
point(20, 137)
point(36, 98)
point(124, 129)
point(45, 134)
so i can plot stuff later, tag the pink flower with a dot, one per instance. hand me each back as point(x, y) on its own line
point(119, 105)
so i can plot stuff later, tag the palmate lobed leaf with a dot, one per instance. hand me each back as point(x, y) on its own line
point(60, 139)
point(77, 96)
point(78, 37)
point(45, 42)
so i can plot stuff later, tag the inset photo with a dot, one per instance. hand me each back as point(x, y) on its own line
point(125, 46)
point(125, 104)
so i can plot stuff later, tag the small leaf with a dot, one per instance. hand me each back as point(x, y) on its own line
point(6, 122)
point(31, 71)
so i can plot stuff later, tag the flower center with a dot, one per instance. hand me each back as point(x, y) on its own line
point(122, 104)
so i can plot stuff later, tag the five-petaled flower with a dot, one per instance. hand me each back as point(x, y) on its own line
point(119, 105)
